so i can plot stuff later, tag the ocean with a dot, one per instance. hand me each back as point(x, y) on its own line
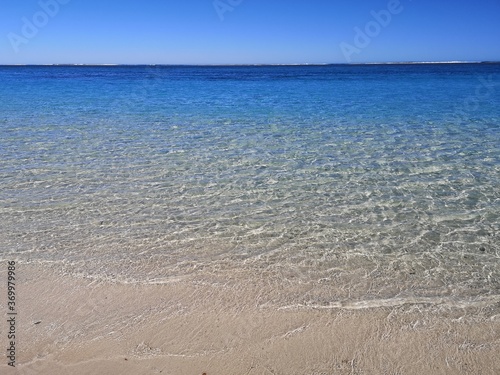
point(367, 182)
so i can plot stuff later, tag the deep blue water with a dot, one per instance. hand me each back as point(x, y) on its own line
point(301, 169)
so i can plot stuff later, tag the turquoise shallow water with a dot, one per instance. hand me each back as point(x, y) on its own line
point(333, 174)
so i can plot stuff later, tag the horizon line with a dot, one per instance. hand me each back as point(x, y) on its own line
point(269, 64)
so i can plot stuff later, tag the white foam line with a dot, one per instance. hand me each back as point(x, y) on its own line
point(393, 302)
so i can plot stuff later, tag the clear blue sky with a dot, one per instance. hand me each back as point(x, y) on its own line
point(255, 31)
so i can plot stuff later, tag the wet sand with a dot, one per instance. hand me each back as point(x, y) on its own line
point(236, 324)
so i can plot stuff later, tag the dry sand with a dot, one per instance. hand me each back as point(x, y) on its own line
point(237, 324)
